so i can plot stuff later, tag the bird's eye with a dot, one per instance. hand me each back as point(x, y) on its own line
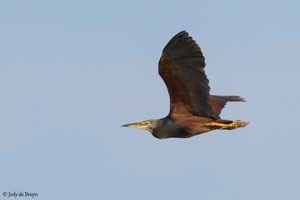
point(145, 123)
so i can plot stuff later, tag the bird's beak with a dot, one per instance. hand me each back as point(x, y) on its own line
point(133, 125)
point(141, 125)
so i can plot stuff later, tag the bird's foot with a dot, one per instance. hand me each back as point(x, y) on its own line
point(232, 125)
point(238, 124)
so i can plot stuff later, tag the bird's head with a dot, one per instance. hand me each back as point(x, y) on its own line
point(148, 125)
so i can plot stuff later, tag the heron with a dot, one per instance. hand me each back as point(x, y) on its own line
point(192, 109)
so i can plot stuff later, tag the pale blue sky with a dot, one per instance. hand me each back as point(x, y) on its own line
point(72, 72)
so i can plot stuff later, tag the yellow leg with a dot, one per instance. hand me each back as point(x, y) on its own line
point(233, 125)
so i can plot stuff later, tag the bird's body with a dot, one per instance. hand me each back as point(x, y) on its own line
point(180, 127)
point(192, 109)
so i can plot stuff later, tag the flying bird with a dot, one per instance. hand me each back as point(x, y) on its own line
point(192, 109)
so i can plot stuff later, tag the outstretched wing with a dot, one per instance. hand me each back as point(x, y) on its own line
point(181, 66)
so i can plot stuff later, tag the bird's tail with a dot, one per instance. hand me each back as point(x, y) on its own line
point(219, 102)
point(226, 98)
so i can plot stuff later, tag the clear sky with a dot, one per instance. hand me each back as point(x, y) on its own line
point(72, 72)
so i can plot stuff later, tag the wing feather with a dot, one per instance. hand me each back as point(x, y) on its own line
point(181, 66)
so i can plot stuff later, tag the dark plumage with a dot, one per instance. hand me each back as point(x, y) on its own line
point(192, 109)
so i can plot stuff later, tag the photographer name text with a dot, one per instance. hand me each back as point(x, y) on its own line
point(19, 194)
